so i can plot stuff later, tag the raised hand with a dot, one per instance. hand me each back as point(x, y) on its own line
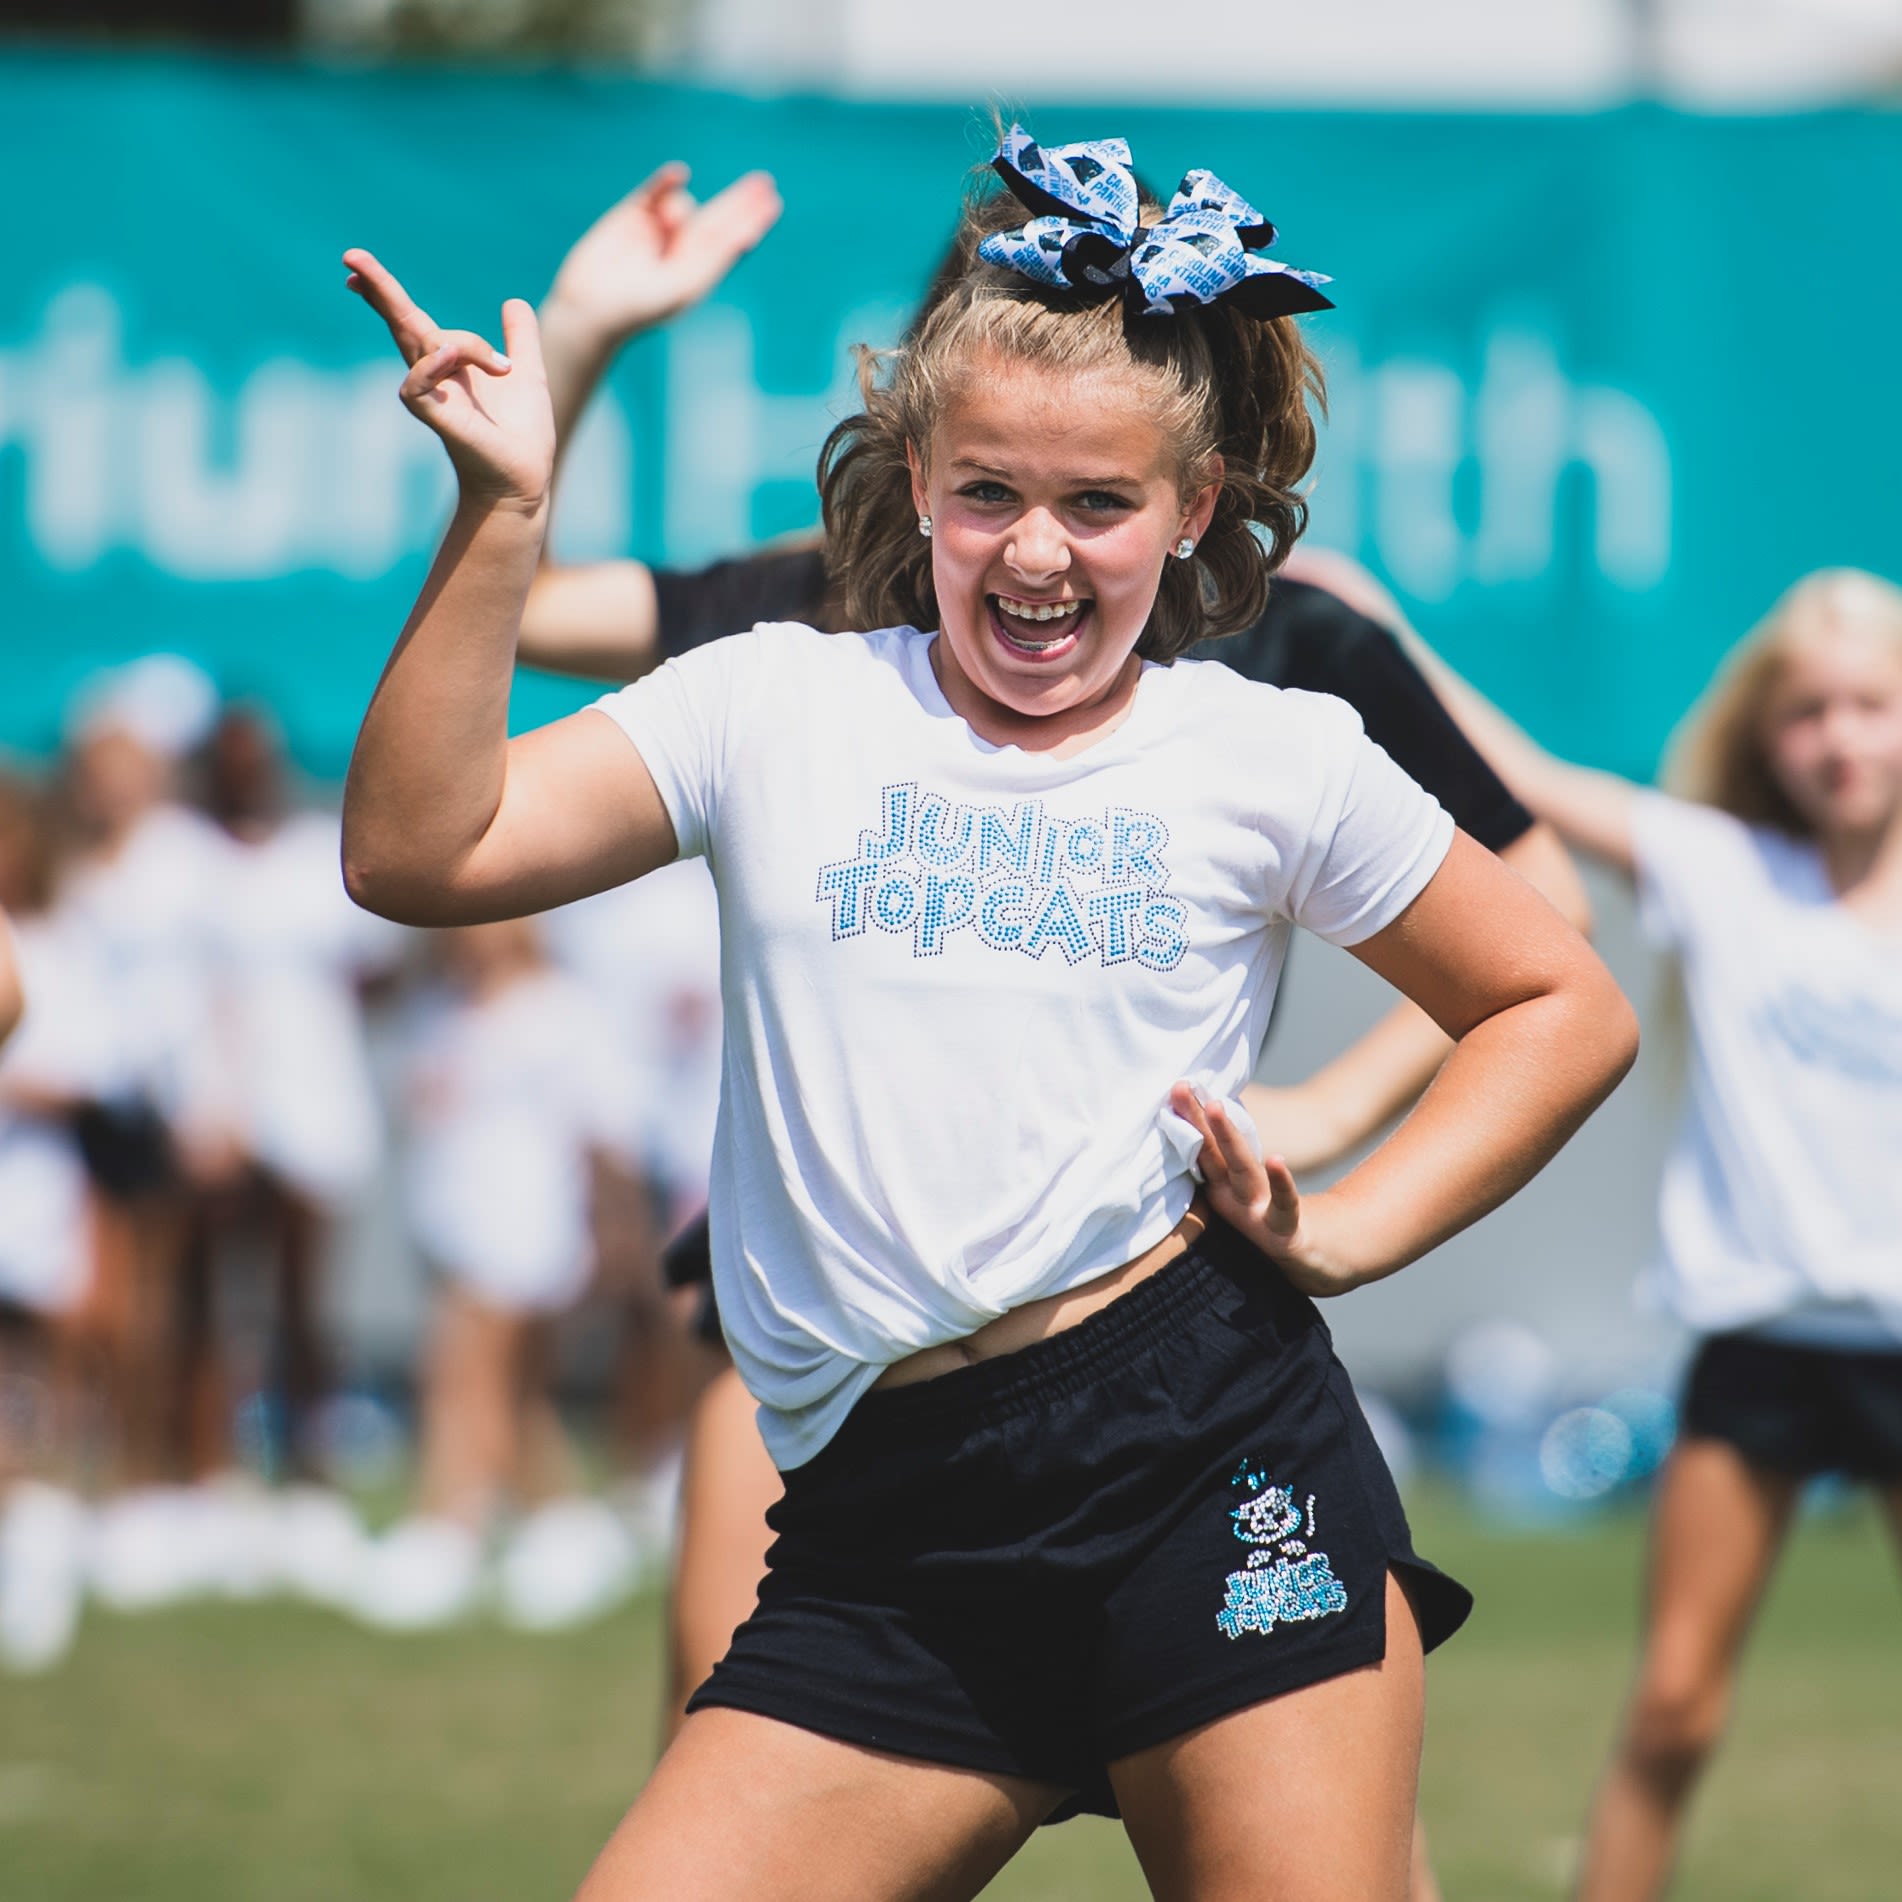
point(491, 410)
point(659, 250)
point(1257, 1197)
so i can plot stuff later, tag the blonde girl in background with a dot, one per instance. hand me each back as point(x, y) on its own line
point(1773, 870)
point(1079, 1510)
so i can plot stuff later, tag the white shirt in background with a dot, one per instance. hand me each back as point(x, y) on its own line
point(1781, 1205)
point(651, 952)
point(147, 912)
point(64, 1050)
point(288, 951)
point(959, 979)
point(506, 1099)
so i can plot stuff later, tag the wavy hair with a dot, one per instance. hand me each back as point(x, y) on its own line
point(1220, 385)
point(1719, 754)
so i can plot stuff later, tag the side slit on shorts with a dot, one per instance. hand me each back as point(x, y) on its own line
point(1041, 1563)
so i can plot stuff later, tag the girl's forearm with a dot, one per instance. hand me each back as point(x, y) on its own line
point(426, 777)
point(1513, 1091)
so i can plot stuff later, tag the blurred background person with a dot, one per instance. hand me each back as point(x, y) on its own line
point(289, 958)
point(515, 1099)
point(142, 887)
point(649, 953)
point(1775, 876)
point(56, 1394)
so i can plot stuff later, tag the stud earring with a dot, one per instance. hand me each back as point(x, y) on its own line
point(1185, 548)
point(924, 526)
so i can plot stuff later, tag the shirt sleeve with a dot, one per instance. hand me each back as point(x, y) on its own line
point(1376, 837)
point(683, 719)
point(1687, 860)
point(697, 605)
point(1333, 649)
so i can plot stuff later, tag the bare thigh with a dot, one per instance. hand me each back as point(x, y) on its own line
point(1308, 1797)
point(727, 1483)
point(743, 1807)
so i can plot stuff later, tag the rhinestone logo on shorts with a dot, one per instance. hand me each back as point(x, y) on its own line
point(1285, 1581)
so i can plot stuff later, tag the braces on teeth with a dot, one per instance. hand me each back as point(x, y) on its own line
point(1037, 610)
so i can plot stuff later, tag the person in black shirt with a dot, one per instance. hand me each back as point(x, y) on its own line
point(651, 256)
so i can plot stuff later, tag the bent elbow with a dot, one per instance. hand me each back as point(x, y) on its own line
point(365, 886)
point(375, 886)
point(1616, 1034)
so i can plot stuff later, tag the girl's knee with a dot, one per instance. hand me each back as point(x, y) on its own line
point(1676, 1720)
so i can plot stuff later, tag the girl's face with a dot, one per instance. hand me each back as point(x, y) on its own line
point(1054, 501)
point(1833, 731)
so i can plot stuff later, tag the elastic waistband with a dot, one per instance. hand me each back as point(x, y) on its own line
point(1070, 1361)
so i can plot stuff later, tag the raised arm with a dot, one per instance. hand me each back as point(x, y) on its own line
point(1541, 1036)
point(446, 819)
point(647, 258)
point(1591, 810)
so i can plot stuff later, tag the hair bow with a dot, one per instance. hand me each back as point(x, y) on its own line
point(1207, 247)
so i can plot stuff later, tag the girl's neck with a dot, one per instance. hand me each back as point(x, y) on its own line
point(1073, 730)
point(1865, 870)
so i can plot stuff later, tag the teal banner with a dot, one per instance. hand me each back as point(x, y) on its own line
point(1601, 385)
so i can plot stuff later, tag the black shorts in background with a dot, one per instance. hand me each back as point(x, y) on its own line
point(1039, 1564)
point(1798, 1410)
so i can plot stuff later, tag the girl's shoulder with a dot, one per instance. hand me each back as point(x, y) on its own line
point(1218, 699)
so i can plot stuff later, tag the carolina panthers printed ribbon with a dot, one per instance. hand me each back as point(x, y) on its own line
point(1087, 232)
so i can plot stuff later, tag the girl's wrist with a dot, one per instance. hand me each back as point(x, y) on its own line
point(581, 334)
point(478, 497)
point(1347, 1239)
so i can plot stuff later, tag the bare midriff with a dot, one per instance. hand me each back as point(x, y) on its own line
point(1038, 1320)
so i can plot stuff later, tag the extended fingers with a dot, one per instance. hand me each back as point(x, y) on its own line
point(1284, 1198)
point(1186, 1100)
point(1243, 1165)
point(521, 333)
point(732, 221)
point(455, 350)
point(413, 328)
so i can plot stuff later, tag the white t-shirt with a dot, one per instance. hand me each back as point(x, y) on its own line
point(147, 911)
point(1782, 1197)
point(506, 1098)
point(959, 978)
point(63, 1052)
point(287, 951)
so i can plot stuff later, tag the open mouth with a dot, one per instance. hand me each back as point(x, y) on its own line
point(1036, 630)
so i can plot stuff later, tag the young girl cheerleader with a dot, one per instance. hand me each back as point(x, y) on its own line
point(1776, 878)
point(641, 262)
point(1079, 1508)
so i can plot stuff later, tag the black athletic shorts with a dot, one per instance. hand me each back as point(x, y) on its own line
point(1040, 1563)
point(1801, 1410)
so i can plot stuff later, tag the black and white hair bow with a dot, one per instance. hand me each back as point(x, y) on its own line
point(1207, 248)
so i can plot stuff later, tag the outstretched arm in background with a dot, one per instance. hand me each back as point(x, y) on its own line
point(1541, 1036)
point(657, 252)
point(1591, 810)
point(446, 819)
point(1315, 1122)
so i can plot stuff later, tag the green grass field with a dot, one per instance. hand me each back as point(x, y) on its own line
point(267, 1754)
